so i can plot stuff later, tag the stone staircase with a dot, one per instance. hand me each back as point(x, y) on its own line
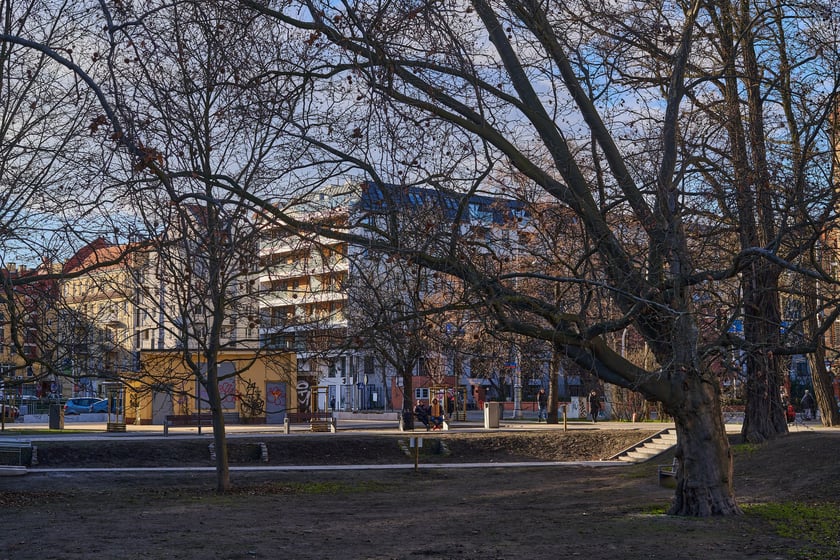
point(648, 448)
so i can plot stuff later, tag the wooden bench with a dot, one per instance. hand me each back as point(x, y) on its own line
point(318, 421)
point(15, 453)
point(189, 419)
point(195, 419)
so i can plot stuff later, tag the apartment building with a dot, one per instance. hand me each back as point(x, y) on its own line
point(306, 282)
point(27, 323)
point(98, 317)
point(302, 301)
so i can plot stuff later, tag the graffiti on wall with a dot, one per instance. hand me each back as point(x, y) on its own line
point(275, 402)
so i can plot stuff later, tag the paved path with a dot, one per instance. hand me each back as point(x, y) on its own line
point(346, 426)
point(290, 468)
point(388, 425)
point(97, 430)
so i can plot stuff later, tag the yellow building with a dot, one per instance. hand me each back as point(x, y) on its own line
point(98, 323)
point(255, 388)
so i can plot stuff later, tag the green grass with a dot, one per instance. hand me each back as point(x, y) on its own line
point(745, 448)
point(654, 509)
point(818, 525)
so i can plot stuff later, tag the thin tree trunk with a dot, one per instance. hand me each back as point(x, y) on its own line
point(408, 400)
point(553, 377)
point(219, 435)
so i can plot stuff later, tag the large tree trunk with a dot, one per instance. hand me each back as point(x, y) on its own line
point(704, 476)
point(764, 414)
point(823, 390)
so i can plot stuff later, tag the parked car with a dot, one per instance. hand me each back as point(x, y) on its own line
point(9, 411)
point(79, 405)
point(100, 406)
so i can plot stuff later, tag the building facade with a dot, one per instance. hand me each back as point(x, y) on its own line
point(329, 300)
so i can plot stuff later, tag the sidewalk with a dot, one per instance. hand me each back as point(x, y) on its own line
point(346, 423)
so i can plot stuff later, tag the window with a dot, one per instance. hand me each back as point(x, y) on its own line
point(479, 214)
point(519, 214)
point(281, 340)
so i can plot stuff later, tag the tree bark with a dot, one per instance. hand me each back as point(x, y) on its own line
point(219, 436)
point(820, 376)
point(408, 400)
point(823, 389)
point(764, 414)
point(705, 472)
point(553, 377)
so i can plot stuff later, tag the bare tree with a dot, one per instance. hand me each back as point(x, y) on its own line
point(624, 117)
point(196, 104)
point(385, 315)
point(52, 201)
point(529, 85)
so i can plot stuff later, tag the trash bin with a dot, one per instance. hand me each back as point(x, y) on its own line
point(492, 413)
point(56, 417)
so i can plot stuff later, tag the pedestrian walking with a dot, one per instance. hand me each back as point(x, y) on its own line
point(594, 405)
point(542, 406)
point(809, 405)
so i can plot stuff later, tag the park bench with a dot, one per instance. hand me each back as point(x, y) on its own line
point(318, 421)
point(667, 472)
point(15, 454)
point(402, 421)
point(195, 419)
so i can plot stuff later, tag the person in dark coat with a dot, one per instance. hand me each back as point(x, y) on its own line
point(594, 405)
point(421, 411)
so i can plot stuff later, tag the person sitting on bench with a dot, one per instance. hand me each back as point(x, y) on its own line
point(436, 415)
point(421, 411)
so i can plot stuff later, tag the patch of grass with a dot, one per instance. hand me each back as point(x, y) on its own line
point(818, 525)
point(654, 509)
point(745, 448)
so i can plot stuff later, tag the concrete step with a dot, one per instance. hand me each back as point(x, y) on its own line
point(642, 454)
point(659, 444)
point(647, 450)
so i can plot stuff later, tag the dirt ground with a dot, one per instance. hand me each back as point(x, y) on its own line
point(537, 512)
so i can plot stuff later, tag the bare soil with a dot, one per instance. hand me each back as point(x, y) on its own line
point(534, 512)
